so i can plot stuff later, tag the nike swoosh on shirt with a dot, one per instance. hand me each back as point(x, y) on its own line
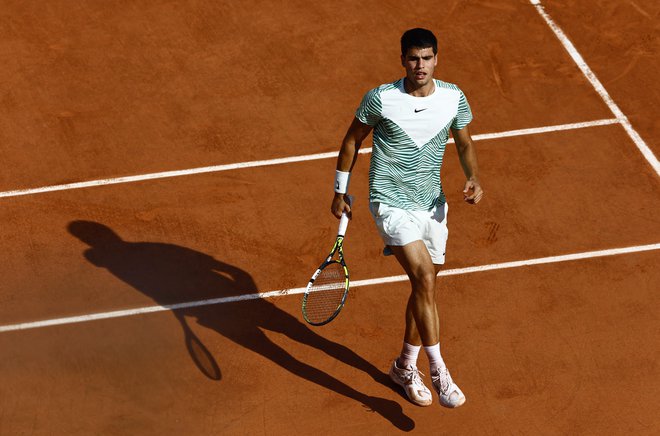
point(419, 110)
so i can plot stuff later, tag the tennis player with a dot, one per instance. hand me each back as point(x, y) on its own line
point(411, 119)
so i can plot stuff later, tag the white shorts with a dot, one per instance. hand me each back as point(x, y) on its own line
point(400, 227)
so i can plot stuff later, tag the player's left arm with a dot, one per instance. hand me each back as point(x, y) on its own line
point(467, 154)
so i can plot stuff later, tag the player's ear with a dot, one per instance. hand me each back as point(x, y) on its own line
point(403, 61)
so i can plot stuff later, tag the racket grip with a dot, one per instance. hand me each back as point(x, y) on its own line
point(343, 222)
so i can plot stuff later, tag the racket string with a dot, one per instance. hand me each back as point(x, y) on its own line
point(326, 293)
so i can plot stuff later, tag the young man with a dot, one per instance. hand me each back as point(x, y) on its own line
point(411, 119)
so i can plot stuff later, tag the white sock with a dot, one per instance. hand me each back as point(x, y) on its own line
point(408, 355)
point(435, 359)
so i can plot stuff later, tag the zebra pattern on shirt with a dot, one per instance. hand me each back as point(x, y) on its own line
point(405, 170)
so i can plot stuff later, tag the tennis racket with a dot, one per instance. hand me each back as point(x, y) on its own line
point(327, 289)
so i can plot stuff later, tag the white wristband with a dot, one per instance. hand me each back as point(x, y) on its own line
point(341, 181)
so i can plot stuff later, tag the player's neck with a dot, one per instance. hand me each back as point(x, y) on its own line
point(418, 91)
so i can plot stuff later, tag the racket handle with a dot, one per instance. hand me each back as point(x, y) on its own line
point(343, 222)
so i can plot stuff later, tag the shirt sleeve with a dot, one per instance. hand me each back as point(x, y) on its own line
point(464, 114)
point(370, 110)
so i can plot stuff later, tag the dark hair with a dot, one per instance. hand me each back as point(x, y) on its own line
point(420, 38)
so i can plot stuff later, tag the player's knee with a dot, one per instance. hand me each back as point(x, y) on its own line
point(424, 284)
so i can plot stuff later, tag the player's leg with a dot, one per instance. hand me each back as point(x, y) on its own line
point(398, 229)
point(416, 261)
point(421, 320)
point(449, 394)
point(411, 335)
point(434, 231)
point(412, 342)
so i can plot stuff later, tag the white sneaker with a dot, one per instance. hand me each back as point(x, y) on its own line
point(450, 394)
point(411, 382)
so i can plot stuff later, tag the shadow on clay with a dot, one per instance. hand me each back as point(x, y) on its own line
point(172, 274)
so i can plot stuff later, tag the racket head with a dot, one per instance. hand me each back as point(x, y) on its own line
point(326, 293)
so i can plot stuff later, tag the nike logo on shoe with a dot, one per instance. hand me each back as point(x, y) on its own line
point(419, 110)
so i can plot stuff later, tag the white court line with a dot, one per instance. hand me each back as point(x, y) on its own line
point(354, 284)
point(532, 131)
point(279, 161)
point(589, 74)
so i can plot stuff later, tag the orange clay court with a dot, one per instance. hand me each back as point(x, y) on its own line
point(136, 306)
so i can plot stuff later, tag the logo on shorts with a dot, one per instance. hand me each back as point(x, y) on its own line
point(419, 110)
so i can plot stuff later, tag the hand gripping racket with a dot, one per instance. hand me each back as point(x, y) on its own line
point(327, 289)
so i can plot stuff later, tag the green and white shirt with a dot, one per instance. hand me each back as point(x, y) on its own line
point(410, 134)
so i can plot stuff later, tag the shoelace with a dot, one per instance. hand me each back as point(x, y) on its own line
point(413, 376)
point(445, 380)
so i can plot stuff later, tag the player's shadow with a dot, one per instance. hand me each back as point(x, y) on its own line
point(172, 274)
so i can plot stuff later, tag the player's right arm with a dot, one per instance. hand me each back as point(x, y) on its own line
point(357, 132)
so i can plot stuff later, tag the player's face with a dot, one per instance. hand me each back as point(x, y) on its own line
point(419, 64)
